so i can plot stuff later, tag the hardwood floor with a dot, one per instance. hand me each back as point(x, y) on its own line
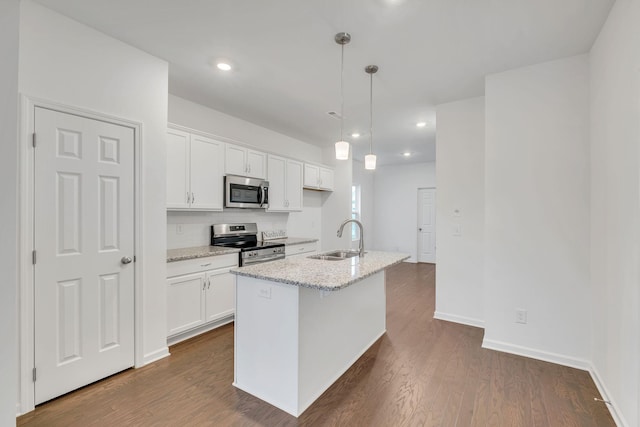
point(423, 372)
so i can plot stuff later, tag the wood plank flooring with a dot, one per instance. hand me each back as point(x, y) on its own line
point(422, 372)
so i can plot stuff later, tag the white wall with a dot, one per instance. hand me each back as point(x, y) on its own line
point(336, 205)
point(364, 178)
point(537, 210)
point(615, 197)
point(196, 225)
point(395, 203)
point(460, 202)
point(9, 19)
point(66, 62)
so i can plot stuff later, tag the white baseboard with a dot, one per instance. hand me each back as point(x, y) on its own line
point(175, 339)
point(558, 359)
point(154, 356)
point(459, 319)
point(617, 416)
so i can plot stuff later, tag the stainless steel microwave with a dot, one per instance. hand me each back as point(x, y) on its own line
point(247, 193)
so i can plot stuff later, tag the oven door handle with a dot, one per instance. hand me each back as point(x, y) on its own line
point(259, 260)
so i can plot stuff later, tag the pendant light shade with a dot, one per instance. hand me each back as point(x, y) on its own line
point(342, 146)
point(342, 150)
point(370, 159)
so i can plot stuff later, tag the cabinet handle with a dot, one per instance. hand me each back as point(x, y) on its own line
point(193, 197)
point(204, 285)
point(249, 168)
point(188, 197)
point(205, 265)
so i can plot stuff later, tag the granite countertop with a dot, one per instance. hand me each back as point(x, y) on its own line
point(182, 254)
point(294, 240)
point(320, 274)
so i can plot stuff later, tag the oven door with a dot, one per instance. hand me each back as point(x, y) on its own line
point(248, 193)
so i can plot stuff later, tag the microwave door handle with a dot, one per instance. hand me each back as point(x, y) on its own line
point(261, 196)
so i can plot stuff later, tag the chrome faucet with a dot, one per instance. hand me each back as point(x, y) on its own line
point(361, 247)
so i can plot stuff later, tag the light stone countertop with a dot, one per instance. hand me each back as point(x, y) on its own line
point(182, 254)
point(294, 240)
point(321, 274)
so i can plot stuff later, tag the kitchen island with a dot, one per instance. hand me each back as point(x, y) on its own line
point(301, 323)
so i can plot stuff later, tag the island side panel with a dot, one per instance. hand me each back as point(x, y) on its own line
point(266, 341)
point(336, 328)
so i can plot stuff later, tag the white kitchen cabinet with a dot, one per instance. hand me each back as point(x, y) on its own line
point(200, 293)
point(318, 177)
point(245, 162)
point(285, 184)
point(194, 172)
point(301, 250)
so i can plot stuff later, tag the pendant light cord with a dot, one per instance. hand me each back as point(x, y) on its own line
point(341, 92)
point(371, 113)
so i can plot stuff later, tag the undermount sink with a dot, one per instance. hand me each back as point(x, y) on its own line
point(335, 255)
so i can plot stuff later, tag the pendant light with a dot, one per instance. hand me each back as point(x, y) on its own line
point(370, 159)
point(342, 146)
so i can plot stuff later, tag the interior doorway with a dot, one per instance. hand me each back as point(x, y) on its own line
point(427, 225)
point(83, 240)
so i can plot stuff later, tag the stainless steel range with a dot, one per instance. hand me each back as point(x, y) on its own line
point(245, 237)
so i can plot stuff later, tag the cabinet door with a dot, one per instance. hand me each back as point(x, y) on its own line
point(277, 183)
point(311, 176)
point(185, 302)
point(220, 294)
point(178, 194)
point(294, 186)
point(235, 160)
point(326, 179)
point(256, 164)
point(206, 173)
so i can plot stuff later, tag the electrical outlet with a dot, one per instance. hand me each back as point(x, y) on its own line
point(521, 316)
point(179, 229)
point(265, 293)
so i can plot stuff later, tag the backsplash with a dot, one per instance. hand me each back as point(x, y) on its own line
point(186, 229)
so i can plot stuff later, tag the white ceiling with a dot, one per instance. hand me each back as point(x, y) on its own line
point(287, 66)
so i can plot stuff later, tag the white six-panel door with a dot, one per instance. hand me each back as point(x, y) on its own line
point(84, 235)
point(427, 225)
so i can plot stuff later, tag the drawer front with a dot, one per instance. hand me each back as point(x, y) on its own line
point(197, 265)
point(303, 248)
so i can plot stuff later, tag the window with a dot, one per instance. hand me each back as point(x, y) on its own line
point(355, 211)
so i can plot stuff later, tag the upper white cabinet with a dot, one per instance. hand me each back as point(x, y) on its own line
point(245, 162)
point(285, 184)
point(318, 177)
point(194, 172)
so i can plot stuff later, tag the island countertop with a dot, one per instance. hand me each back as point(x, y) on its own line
point(322, 274)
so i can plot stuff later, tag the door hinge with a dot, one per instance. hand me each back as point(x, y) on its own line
point(33, 140)
point(34, 375)
point(33, 257)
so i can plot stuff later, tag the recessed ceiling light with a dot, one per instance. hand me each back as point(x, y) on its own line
point(355, 135)
point(223, 66)
point(421, 124)
point(406, 154)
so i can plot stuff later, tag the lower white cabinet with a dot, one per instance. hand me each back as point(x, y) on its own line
point(199, 292)
point(301, 250)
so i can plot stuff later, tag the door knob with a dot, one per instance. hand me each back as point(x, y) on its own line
point(126, 260)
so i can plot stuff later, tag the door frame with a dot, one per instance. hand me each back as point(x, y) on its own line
point(26, 294)
point(418, 220)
